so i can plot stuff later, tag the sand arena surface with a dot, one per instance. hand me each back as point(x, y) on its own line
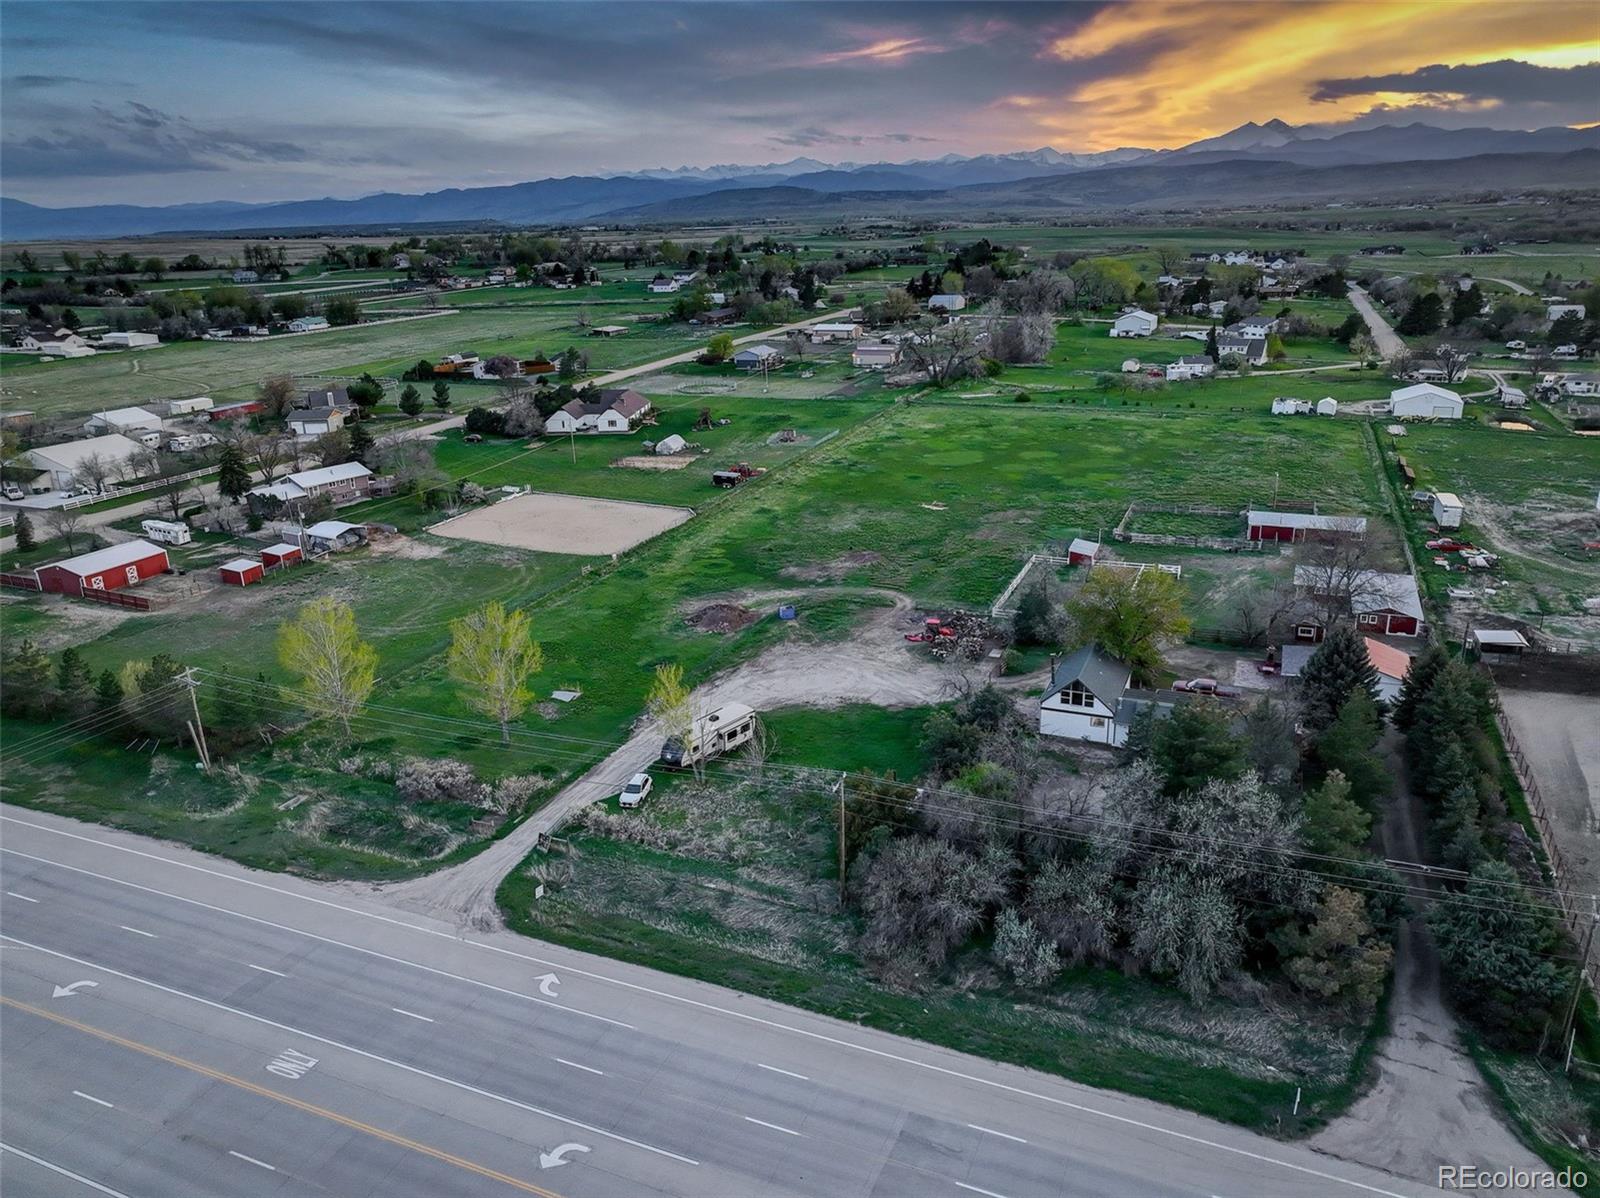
point(553, 523)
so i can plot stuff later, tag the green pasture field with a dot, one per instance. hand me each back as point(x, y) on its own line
point(948, 499)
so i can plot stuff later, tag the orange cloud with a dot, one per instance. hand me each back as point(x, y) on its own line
point(1197, 69)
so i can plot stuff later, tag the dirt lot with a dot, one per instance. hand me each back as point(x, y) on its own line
point(1556, 733)
point(550, 523)
point(649, 461)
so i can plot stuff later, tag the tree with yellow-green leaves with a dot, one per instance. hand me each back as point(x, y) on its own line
point(668, 703)
point(335, 667)
point(492, 655)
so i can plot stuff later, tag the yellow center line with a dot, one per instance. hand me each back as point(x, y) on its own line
point(240, 1083)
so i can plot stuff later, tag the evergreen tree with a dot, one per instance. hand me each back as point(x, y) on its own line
point(1194, 746)
point(441, 395)
point(1424, 316)
point(1338, 669)
point(1349, 746)
point(1459, 829)
point(1212, 351)
point(108, 692)
point(1424, 669)
point(411, 401)
point(1270, 745)
point(23, 530)
point(74, 681)
point(29, 689)
point(1035, 621)
point(362, 447)
point(1499, 954)
point(233, 474)
point(1335, 824)
point(1465, 305)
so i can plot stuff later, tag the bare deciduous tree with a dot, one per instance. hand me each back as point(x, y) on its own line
point(943, 353)
point(1337, 573)
point(265, 452)
point(65, 523)
point(93, 472)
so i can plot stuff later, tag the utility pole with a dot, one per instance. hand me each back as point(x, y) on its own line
point(1583, 967)
point(841, 838)
point(196, 728)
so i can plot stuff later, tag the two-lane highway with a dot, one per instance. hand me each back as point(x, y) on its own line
point(173, 1024)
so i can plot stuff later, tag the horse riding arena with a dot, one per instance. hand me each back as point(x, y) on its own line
point(553, 523)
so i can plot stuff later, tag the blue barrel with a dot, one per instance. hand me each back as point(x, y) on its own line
point(786, 612)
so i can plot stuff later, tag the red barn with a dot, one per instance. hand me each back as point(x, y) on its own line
point(1382, 604)
point(103, 570)
point(241, 572)
point(236, 411)
point(281, 554)
point(1297, 526)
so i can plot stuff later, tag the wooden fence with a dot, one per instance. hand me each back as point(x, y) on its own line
point(117, 599)
point(21, 582)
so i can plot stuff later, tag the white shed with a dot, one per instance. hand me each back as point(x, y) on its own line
point(1327, 406)
point(1447, 509)
point(671, 443)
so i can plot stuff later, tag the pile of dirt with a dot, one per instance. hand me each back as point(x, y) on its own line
point(722, 617)
point(834, 570)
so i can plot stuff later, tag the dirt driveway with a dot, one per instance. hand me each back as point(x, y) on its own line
point(873, 666)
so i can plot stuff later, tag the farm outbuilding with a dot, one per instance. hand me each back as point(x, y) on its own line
point(1499, 640)
point(1425, 400)
point(1327, 406)
point(1447, 509)
point(1137, 323)
point(281, 554)
point(107, 569)
point(328, 536)
point(1082, 551)
point(670, 444)
point(1299, 526)
point(241, 572)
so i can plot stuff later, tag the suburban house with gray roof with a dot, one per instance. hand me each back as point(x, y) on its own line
point(1089, 699)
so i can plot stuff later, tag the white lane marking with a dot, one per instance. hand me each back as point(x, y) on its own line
point(267, 923)
point(411, 1015)
point(92, 1098)
point(989, 1131)
point(758, 1020)
point(785, 1072)
point(138, 931)
point(77, 1177)
point(976, 1190)
point(360, 1052)
point(575, 1065)
point(23, 897)
point(263, 1164)
point(763, 1123)
point(264, 969)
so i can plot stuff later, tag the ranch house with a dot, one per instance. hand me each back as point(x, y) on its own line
point(618, 410)
point(1190, 366)
point(348, 482)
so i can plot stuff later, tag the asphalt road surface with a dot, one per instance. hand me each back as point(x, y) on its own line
point(175, 1025)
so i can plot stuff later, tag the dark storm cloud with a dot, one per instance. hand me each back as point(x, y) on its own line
point(1507, 81)
point(134, 138)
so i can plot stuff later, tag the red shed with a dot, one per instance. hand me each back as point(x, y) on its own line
point(241, 572)
point(281, 554)
point(1082, 552)
point(1299, 526)
point(103, 570)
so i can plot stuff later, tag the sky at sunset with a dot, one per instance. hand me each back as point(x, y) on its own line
point(156, 103)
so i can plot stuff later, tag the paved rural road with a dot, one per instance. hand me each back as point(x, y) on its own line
point(628, 372)
point(178, 1027)
point(1385, 338)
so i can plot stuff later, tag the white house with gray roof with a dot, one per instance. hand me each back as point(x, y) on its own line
point(1089, 699)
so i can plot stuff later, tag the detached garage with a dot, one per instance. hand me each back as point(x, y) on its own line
point(241, 572)
point(105, 569)
point(281, 554)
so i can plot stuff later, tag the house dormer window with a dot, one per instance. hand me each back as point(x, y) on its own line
point(1075, 694)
